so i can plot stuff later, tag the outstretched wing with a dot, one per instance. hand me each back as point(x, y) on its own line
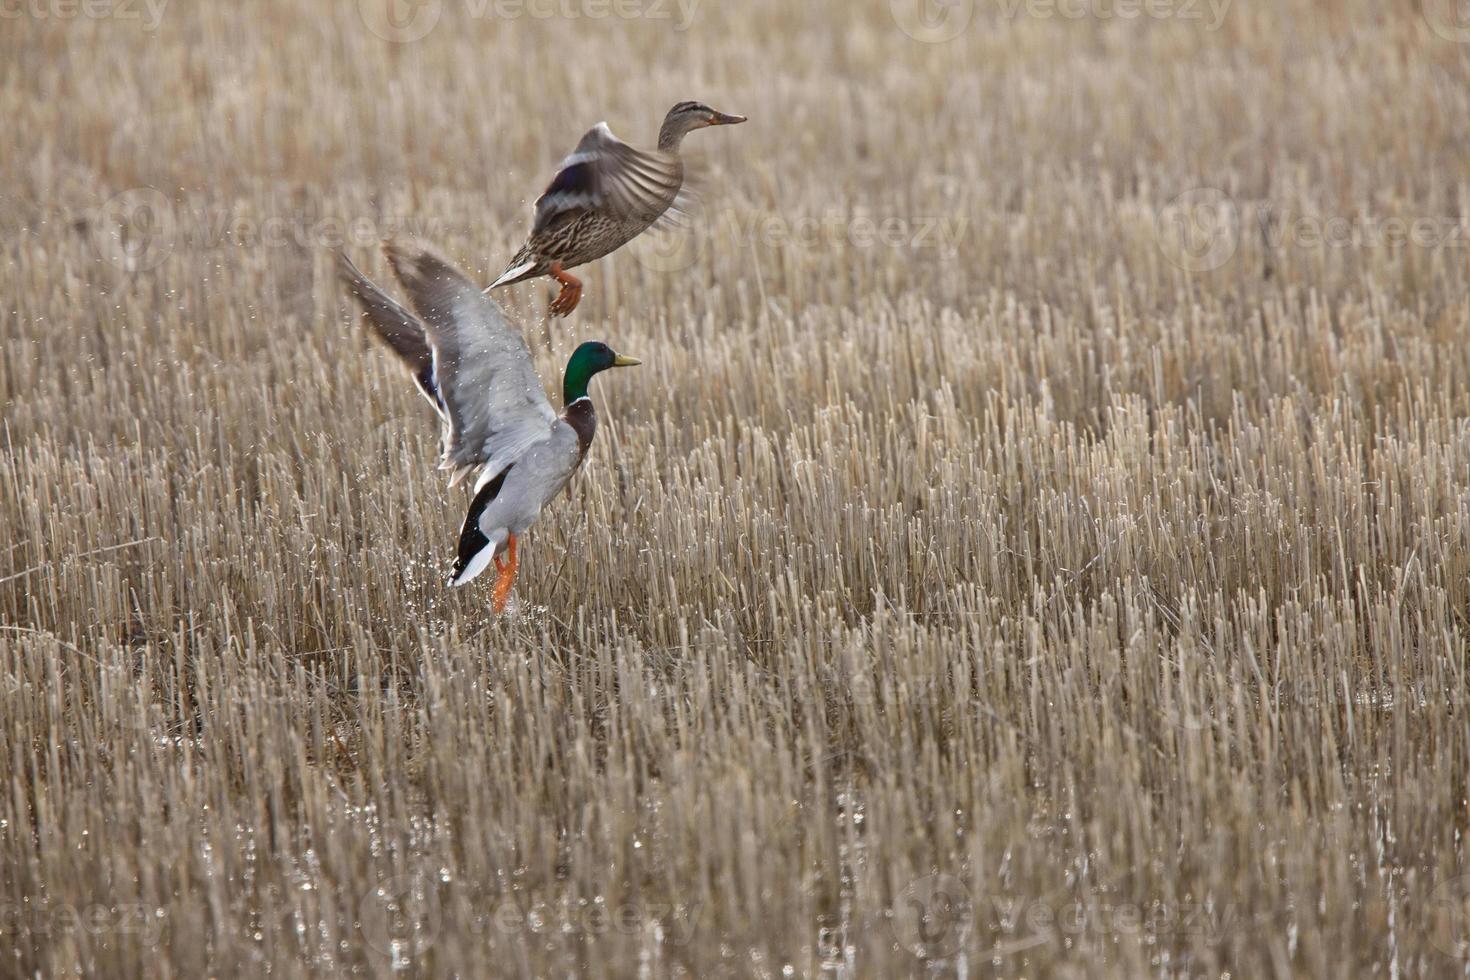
point(395, 326)
point(493, 401)
point(605, 174)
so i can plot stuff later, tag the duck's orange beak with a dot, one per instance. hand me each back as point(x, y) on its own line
point(725, 119)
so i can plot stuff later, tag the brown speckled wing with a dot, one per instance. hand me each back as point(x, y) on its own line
point(605, 174)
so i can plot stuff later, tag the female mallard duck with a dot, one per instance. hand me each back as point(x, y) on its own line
point(603, 196)
point(474, 368)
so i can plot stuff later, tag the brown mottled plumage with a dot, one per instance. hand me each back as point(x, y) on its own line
point(603, 196)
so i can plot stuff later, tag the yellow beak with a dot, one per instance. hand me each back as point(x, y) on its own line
point(623, 360)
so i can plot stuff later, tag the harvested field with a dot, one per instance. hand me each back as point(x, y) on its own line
point(1034, 545)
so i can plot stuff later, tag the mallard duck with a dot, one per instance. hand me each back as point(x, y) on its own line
point(603, 196)
point(472, 365)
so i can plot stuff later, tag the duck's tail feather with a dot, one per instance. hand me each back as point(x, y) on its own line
point(520, 268)
point(476, 547)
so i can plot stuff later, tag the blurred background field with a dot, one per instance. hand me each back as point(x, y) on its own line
point(1034, 545)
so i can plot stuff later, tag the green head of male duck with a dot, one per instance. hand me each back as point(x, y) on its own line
point(687, 117)
point(591, 358)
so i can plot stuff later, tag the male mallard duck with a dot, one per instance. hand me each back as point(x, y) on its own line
point(473, 367)
point(603, 196)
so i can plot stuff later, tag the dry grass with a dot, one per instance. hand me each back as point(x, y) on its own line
point(1130, 594)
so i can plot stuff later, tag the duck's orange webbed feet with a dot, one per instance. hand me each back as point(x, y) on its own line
point(571, 291)
point(507, 570)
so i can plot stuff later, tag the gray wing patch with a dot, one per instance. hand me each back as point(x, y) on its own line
point(394, 326)
point(493, 401)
